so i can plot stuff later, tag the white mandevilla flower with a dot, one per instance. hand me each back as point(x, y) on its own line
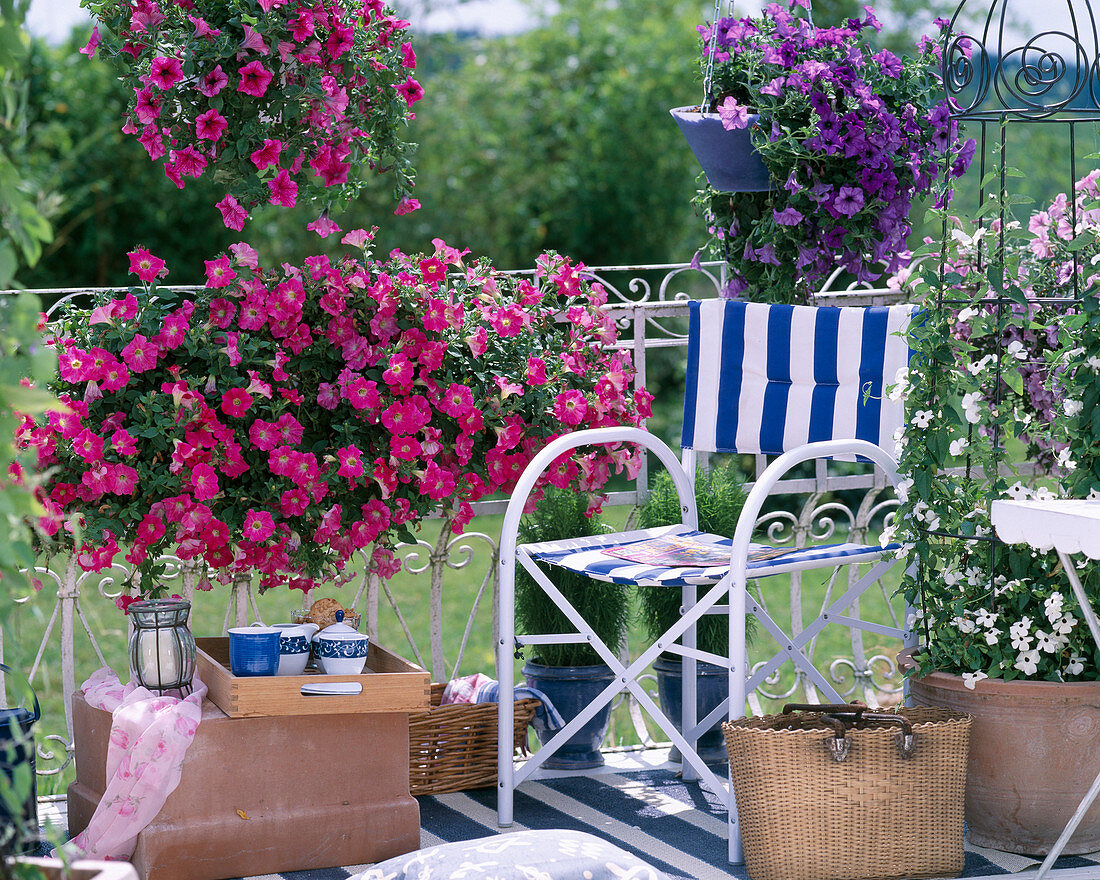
point(900, 389)
point(963, 624)
point(1052, 605)
point(904, 488)
point(985, 618)
point(1044, 494)
point(1072, 407)
point(1027, 662)
point(1064, 461)
point(958, 445)
point(1093, 363)
point(922, 418)
point(992, 635)
point(1046, 644)
point(968, 314)
point(1076, 665)
point(972, 407)
point(1064, 625)
point(1018, 492)
point(1016, 350)
point(972, 678)
point(951, 577)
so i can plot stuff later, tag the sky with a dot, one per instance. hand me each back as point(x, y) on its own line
point(54, 19)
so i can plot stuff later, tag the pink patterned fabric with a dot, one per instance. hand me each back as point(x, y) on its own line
point(150, 735)
point(463, 690)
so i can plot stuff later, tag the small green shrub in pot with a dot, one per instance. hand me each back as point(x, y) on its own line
point(719, 498)
point(572, 675)
point(562, 514)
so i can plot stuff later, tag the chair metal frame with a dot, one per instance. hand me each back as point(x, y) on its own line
point(733, 587)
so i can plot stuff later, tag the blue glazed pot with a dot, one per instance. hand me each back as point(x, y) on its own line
point(570, 689)
point(728, 157)
point(712, 686)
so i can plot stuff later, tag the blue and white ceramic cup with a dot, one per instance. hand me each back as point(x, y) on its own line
point(341, 652)
point(294, 647)
point(253, 650)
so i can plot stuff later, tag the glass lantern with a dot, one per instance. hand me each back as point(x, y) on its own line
point(162, 648)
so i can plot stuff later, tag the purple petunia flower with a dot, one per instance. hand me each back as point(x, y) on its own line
point(849, 200)
point(787, 217)
point(733, 115)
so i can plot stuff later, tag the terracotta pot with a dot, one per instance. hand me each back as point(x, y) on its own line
point(1034, 752)
point(728, 157)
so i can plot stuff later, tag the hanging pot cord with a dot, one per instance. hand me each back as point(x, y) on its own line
point(708, 73)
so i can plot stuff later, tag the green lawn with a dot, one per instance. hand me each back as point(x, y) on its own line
point(460, 587)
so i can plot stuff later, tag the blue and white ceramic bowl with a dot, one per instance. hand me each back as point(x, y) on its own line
point(343, 652)
point(294, 647)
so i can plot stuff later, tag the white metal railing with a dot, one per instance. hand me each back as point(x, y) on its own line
point(649, 304)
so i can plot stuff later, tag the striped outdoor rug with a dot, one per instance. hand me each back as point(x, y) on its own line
point(675, 826)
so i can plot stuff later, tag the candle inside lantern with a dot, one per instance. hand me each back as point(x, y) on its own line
point(160, 663)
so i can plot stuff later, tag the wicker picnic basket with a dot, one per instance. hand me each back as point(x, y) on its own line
point(849, 795)
point(453, 748)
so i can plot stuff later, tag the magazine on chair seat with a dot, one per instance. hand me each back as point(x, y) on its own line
point(686, 551)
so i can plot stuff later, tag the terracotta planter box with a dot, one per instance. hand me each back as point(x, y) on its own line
point(1034, 751)
point(264, 795)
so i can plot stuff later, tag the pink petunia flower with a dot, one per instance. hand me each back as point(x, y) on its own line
point(255, 78)
point(147, 106)
point(233, 213)
point(92, 44)
point(145, 265)
point(246, 255)
point(219, 273)
point(570, 407)
point(406, 206)
point(323, 226)
point(210, 126)
point(359, 238)
point(410, 90)
point(165, 72)
point(258, 526)
point(213, 81)
point(268, 154)
point(284, 191)
point(437, 483)
point(536, 370)
point(204, 482)
point(202, 29)
point(235, 402)
point(351, 462)
point(254, 41)
point(140, 354)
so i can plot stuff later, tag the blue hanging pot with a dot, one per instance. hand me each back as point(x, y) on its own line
point(17, 750)
point(729, 159)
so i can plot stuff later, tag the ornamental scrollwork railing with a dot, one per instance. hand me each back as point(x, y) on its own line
point(649, 303)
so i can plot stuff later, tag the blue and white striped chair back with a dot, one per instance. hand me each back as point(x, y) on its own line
point(768, 378)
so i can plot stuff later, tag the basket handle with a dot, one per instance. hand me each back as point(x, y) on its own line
point(856, 708)
point(842, 716)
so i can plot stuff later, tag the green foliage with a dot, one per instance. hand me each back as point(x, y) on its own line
point(719, 498)
point(561, 514)
point(982, 383)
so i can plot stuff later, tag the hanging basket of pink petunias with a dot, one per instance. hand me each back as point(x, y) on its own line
point(278, 422)
point(283, 100)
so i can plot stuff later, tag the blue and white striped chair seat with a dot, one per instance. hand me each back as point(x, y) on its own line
point(586, 556)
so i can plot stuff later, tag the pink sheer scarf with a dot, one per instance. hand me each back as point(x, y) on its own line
point(150, 735)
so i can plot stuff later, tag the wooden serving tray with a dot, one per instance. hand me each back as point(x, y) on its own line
point(390, 684)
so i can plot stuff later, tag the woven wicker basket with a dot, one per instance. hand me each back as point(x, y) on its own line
point(453, 748)
point(875, 814)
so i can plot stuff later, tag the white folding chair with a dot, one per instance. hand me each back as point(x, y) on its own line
point(799, 382)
